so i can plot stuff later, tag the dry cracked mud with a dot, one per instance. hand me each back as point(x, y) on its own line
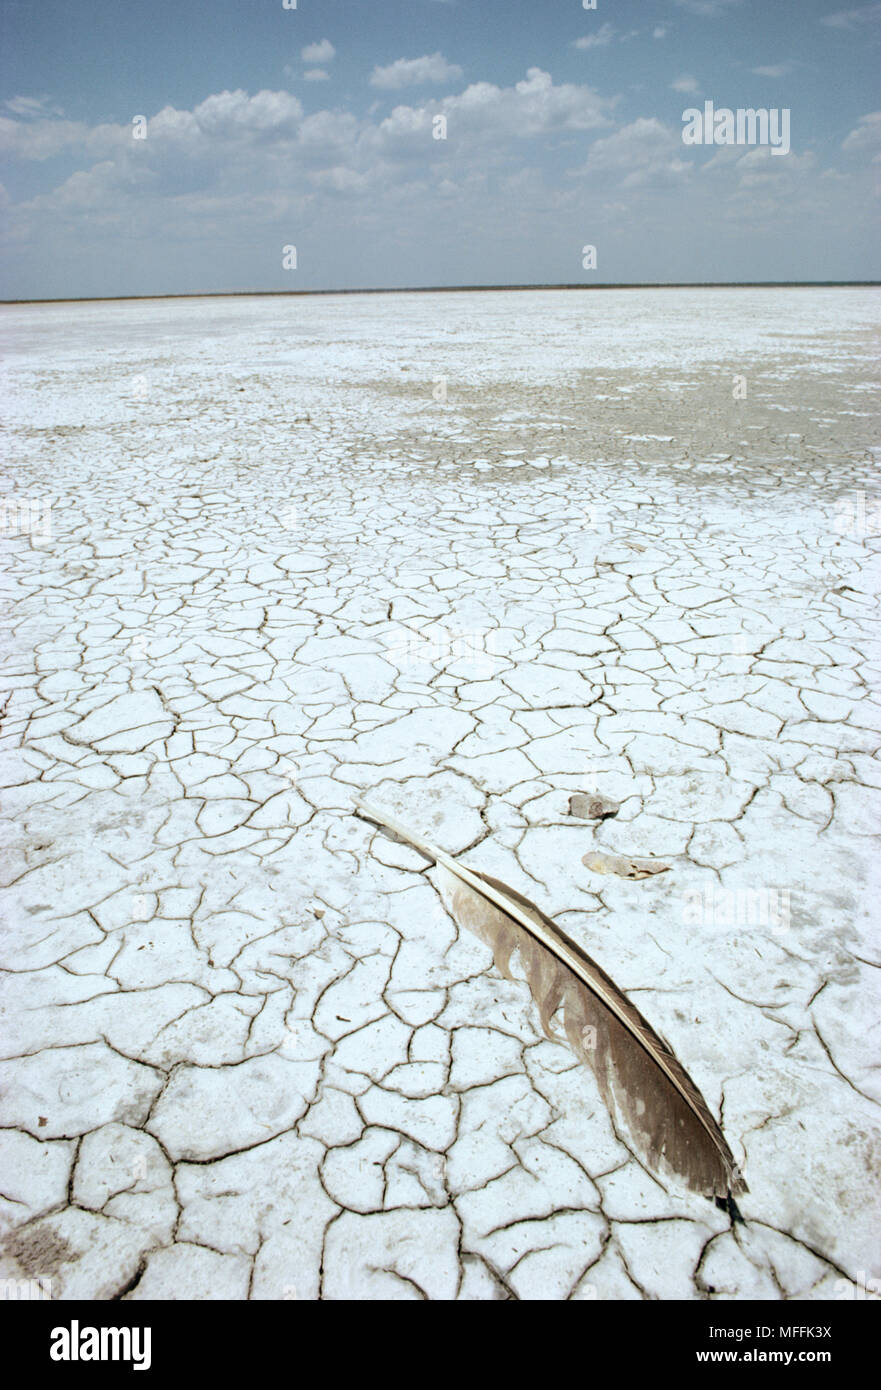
point(472, 555)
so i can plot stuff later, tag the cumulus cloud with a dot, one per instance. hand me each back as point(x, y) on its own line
point(773, 70)
point(257, 171)
point(318, 52)
point(45, 138)
point(316, 75)
point(232, 117)
point(234, 114)
point(413, 72)
point(685, 84)
point(643, 152)
point(267, 135)
point(758, 167)
point(535, 105)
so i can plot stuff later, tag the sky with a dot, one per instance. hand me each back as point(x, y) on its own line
point(199, 146)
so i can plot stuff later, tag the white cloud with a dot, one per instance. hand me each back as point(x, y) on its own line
point(232, 117)
point(42, 139)
point(256, 171)
point(318, 52)
point(31, 107)
point(758, 167)
point(330, 135)
point(339, 179)
point(412, 72)
point(234, 150)
point(644, 152)
point(685, 84)
point(852, 19)
point(659, 31)
point(235, 113)
point(867, 135)
point(604, 35)
point(316, 75)
point(773, 70)
point(707, 7)
point(532, 107)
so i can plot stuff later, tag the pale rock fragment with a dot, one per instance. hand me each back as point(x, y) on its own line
point(621, 865)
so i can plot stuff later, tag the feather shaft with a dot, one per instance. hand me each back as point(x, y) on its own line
point(544, 930)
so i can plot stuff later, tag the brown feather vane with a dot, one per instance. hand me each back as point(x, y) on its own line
point(646, 1089)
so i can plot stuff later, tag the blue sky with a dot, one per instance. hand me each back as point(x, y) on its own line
point(315, 127)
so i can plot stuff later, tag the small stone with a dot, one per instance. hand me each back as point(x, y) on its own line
point(589, 807)
point(623, 865)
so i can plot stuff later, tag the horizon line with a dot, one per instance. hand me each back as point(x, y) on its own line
point(459, 289)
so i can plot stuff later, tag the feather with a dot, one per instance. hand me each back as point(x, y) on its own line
point(646, 1089)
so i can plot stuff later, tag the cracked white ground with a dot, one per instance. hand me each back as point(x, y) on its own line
point(245, 1051)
